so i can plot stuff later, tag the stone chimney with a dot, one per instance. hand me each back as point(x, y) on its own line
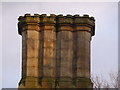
point(56, 50)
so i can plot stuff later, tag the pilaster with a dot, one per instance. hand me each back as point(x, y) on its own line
point(48, 33)
point(29, 29)
point(84, 29)
point(64, 50)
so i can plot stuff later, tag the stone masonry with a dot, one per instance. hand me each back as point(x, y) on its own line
point(56, 50)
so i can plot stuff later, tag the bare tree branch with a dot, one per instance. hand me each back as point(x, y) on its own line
point(99, 82)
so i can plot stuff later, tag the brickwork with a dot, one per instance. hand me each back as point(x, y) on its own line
point(56, 50)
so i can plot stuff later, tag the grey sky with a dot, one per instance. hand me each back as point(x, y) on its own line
point(0, 45)
point(104, 45)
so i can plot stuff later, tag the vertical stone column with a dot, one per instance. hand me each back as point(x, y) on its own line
point(49, 50)
point(84, 29)
point(64, 51)
point(29, 29)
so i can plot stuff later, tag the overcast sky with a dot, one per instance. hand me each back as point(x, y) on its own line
point(104, 45)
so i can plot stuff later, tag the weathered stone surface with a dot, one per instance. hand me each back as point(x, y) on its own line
point(32, 71)
point(40, 55)
point(66, 53)
point(24, 54)
point(32, 48)
point(33, 35)
point(56, 51)
point(29, 82)
point(49, 56)
point(30, 44)
point(83, 83)
point(83, 54)
point(65, 82)
point(48, 83)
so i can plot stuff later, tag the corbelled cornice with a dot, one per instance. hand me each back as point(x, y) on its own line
point(57, 21)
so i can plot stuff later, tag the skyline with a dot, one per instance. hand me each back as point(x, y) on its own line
point(104, 45)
